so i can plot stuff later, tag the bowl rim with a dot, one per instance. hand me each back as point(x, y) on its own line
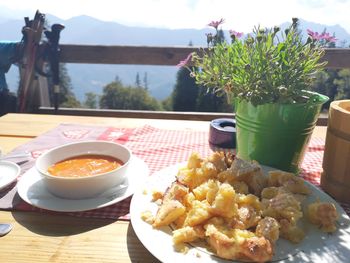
point(48, 175)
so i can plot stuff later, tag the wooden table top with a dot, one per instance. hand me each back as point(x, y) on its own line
point(38, 237)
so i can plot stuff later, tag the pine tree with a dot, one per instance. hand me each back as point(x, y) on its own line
point(187, 96)
point(145, 81)
point(137, 80)
point(90, 100)
point(210, 102)
point(66, 97)
point(167, 104)
point(343, 84)
point(220, 37)
point(185, 92)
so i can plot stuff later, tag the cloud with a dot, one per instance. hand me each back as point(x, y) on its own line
point(239, 15)
point(313, 3)
point(321, 3)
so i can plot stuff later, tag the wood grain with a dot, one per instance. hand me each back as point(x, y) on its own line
point(164, 115)
point(168, 55)
point(7, 143)
point(135, 55)
point(32, 125)
point(53, 238)
point(337, 57)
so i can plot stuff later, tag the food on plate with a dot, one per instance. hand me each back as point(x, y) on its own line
point(288, 181)
point(231, 206)
point(323, 215)
point(147, 216)
point(239, 244)
point(286, 209)
point(156, 195)
point(84, 165)
point(268, 227)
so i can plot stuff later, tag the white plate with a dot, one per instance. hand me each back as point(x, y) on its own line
point(9, 172)
point(316, 247)
point(32, 190)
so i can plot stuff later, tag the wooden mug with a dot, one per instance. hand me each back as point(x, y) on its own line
point(335, 178)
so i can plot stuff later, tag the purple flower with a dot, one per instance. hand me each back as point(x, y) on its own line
point(185, 62)
point(324, 36)
point(235, 34)
point(216, 24)
point(327, 37)
point(314, 35)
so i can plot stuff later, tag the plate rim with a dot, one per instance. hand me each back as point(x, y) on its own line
point(135, 218)
point(13, 176)
point(136, 163)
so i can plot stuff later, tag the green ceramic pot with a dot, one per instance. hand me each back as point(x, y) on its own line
point(276, 135)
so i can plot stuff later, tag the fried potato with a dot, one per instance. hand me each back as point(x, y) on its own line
point(198, 213)
point(290, 181)
point(194, 161)
point(283, 206)
point(187, 234)
point(291, 231)
point(249, 211)
point(239, 212)
point(323, 215)
point(268, 227)
point(207, 190)
point(176, 191)
point(168, 212)
point(239, 244)
point(218, 159)
point(249, 172)
point(224, 203)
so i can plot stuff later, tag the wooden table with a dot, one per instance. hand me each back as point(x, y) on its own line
point(40, 237)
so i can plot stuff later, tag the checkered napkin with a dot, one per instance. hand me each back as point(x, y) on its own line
point(159, 148)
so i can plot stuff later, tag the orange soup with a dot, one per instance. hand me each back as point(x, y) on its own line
point(84, 165)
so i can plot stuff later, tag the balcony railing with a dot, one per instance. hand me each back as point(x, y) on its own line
point(170, 56)
point(166, 56)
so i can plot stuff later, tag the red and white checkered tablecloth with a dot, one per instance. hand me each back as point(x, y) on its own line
point(159, 148)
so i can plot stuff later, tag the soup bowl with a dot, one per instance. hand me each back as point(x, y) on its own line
point(81, 187)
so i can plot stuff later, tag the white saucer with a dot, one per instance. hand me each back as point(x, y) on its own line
point(32, 190)
point(9, 172)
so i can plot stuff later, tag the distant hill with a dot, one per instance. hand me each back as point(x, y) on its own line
point(88, 30)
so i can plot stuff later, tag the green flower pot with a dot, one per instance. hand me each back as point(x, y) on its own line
point(276, 135)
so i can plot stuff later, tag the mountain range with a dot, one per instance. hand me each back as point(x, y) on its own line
point(90, 31)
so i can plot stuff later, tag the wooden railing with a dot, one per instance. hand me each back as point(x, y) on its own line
point(166, 56)
point(145, 55)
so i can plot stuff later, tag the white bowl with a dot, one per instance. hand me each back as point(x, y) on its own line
point(88, 186)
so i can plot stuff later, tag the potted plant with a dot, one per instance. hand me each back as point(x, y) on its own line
point(267, 75)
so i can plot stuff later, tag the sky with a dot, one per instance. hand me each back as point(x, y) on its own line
point(241, 15)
